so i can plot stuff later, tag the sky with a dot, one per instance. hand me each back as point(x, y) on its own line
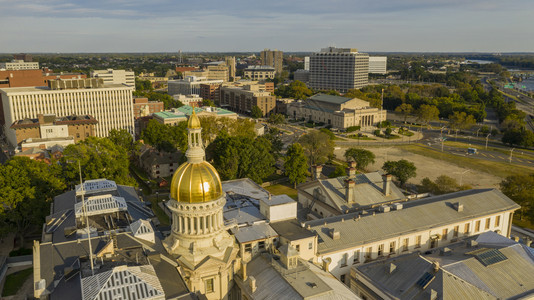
point(249, 25)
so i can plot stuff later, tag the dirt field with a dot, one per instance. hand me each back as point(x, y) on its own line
point(429, 167)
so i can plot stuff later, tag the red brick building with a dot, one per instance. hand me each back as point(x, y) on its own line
point(142, 107)
point(211, 91)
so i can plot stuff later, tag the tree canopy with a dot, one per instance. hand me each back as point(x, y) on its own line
point(317, 146)
point(296, 164)
point(427, 113)
point(295, 90)
point(256, 112)
point(520, 188)
point(442, 185)
point(401, 169)
point(362, 157)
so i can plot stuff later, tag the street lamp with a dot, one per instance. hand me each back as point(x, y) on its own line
point(461, 175)
point(478, 131)
point(487, 137)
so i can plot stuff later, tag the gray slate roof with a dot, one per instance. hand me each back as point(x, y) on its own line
point(253, 233)
point(329, 98)
point(416, 215)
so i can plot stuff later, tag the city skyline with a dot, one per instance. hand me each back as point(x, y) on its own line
point(307, 26)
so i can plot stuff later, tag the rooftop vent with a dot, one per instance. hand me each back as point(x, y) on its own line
point(458, 207)
point(396, 206)
point(384, 208)
point(392, 268)
point(334, 234)
point(445, 252)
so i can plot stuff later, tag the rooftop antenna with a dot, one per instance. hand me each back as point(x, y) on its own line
point(86, 219)
point(180, 52)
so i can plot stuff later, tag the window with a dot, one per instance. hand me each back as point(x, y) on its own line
point(466, 228)
point(497, 221)
point(488, 220)
point(405, 243)
point(310, 245)
point(297, 247)
point(261, 245)
point(356, 258)
point(444, 234)
point(368, 253)
point(455, 232)
point(209, 285)
point(342, 278)
point(477, 226)
point(392, 247)
point(344, 259)
point(418, 241)
point(77, 134)
point(248, 247)
point(380, 249)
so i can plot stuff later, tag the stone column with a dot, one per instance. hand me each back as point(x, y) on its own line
point(204, 221)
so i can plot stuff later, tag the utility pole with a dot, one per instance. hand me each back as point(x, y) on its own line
point(84, 207)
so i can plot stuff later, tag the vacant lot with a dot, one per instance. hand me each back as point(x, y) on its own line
point(430, 167)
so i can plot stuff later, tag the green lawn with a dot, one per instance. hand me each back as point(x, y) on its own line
point(356, 137)
point(281, 189)
point(14, 282)
point(496, 168)
point(525, 223)
point(160, 214)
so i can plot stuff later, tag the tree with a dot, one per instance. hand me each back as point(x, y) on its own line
point(207, 102)
point(362, 157)
point(427, 113)
point(338, 172)
point(295, 90)
point(461, 120)
point(276, 119)
point(296, 164)
point(328, 132)
point(317, 146)
point(27, 189)
point(401, 169)
point(405, 109)
point(520, 188)
point(165, 137)
point(256, 112)
point(443, 185)
point(518, 137)
point(99, 158)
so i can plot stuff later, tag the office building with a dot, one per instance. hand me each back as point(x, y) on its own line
point(21, 78)
point(111, 76)
point(273, 58)
point(230, 62)
point(339, 69)
point(241, 99)
point(210, 91)
point(259, 72)
point(340, 112)
point(111, 105)
point(19, 65)
point(190, 85)
point(23, 56)
point(378, 64)
point(307, 63)
point(302, 75)
point(191, 100)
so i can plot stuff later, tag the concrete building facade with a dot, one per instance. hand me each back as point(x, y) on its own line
point(111, 105)
point(273, 58)
point(340, 112)
point(20, 65)
point(378, 64)
point(339, 69)
point(111, 76)
point(259, 72)
point(190, 85)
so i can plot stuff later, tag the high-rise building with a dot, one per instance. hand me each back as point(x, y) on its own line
point(274, 58)
point(111, 105)
point(111, 76)
point(378, 64)
point(230, 62)
point(339, 69)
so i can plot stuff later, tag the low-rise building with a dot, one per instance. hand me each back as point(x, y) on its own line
point(242, 98)
point(190, 100)
point(111, 76)
point(47, 127)
point(259, 72)
point(181, 114)
point(378, 64)
point(21, 78)
point(159, 164)
point(337, 111)
point(190, 85)
point(142, 107)
point(19, 65)
point(417, 225)
point(487, 266)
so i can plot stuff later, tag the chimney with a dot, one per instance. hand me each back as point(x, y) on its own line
point(244, 269)
point(528, 242)
point(386, 184)
point(458, 207)
point(351, 172)
point(40, 118)
point(352, 164)
point(392, 268)
point(252, 283)
point(349, 190)
point(435, 265)
point(326, 264)
point(316, 172)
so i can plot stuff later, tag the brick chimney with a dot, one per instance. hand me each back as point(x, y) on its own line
point(351, 172)
point(386, 184)
point(316, 172)
point(349, 190)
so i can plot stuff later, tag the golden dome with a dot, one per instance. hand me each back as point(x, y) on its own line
point(194, 121)
point(196, 182)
